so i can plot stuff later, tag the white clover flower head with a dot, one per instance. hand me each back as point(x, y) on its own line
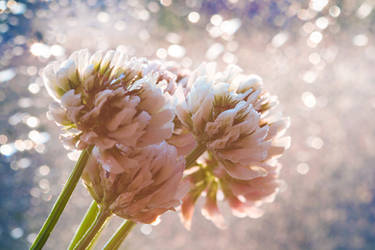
point(149, 184)
point(234, 118)
point(107, 99)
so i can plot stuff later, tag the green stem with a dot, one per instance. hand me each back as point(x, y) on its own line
point(90, 215)
point(93, 241)
point(194, 155)
point(120, 235)
point(95, 228)
point(62, 200)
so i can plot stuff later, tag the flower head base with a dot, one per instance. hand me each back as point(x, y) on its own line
point(243, 196)
point(150, 184)
point(235, 119)
point(107, 99)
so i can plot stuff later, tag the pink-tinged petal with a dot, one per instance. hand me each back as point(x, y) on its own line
point(113, 161)
point(278, 146)
point(96, 58)
point(178, 97)
point(50, 81)
point(58, 114)
point(70, 99)
point(125, 114)
point(150, 217)
point(243, 155)
point(224, 119)
point(230, 73)
point(165, 174)
point(210, 210)
point(187, 210)
point(202, 99)
point(238, 208)
point(262, 186)
point(89, 137)
point(161, 118)
point(123, 200)
point(152, 100)
point(252, 119)
point(157, 135)
point(137, 205)
point(125, 131)
point(182, 189)
point(142, 180)
point(69, 141)
point(73, 113)
point(253, 96)
point(183, 114)
point(278, 128)
point(110, 164)
point(162, 195)
point(106, 60)
point(184, 142)
point(253, 139)
point(254, 212)
point(245, 172)
point(104, 143)
point(68, 73)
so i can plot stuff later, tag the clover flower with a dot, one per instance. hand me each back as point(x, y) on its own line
point(150, 184)
point(108, 99)
point(234, 118)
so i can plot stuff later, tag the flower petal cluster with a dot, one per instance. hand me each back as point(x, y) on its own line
point(107, 99)
point(150, 184)
point(234, 118)
point(231, 115)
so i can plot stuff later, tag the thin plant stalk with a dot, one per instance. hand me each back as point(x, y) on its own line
point(120, 235)
point(90, 215)
point(93, 241)
point(194, 155)
point(95, 229)
point(62, 200)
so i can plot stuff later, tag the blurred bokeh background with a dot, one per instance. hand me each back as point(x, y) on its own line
point(318, 56)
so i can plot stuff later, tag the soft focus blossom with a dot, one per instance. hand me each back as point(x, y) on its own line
point(150, 183)
point(231, 115)
point(107, 99)
point(244, 197)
